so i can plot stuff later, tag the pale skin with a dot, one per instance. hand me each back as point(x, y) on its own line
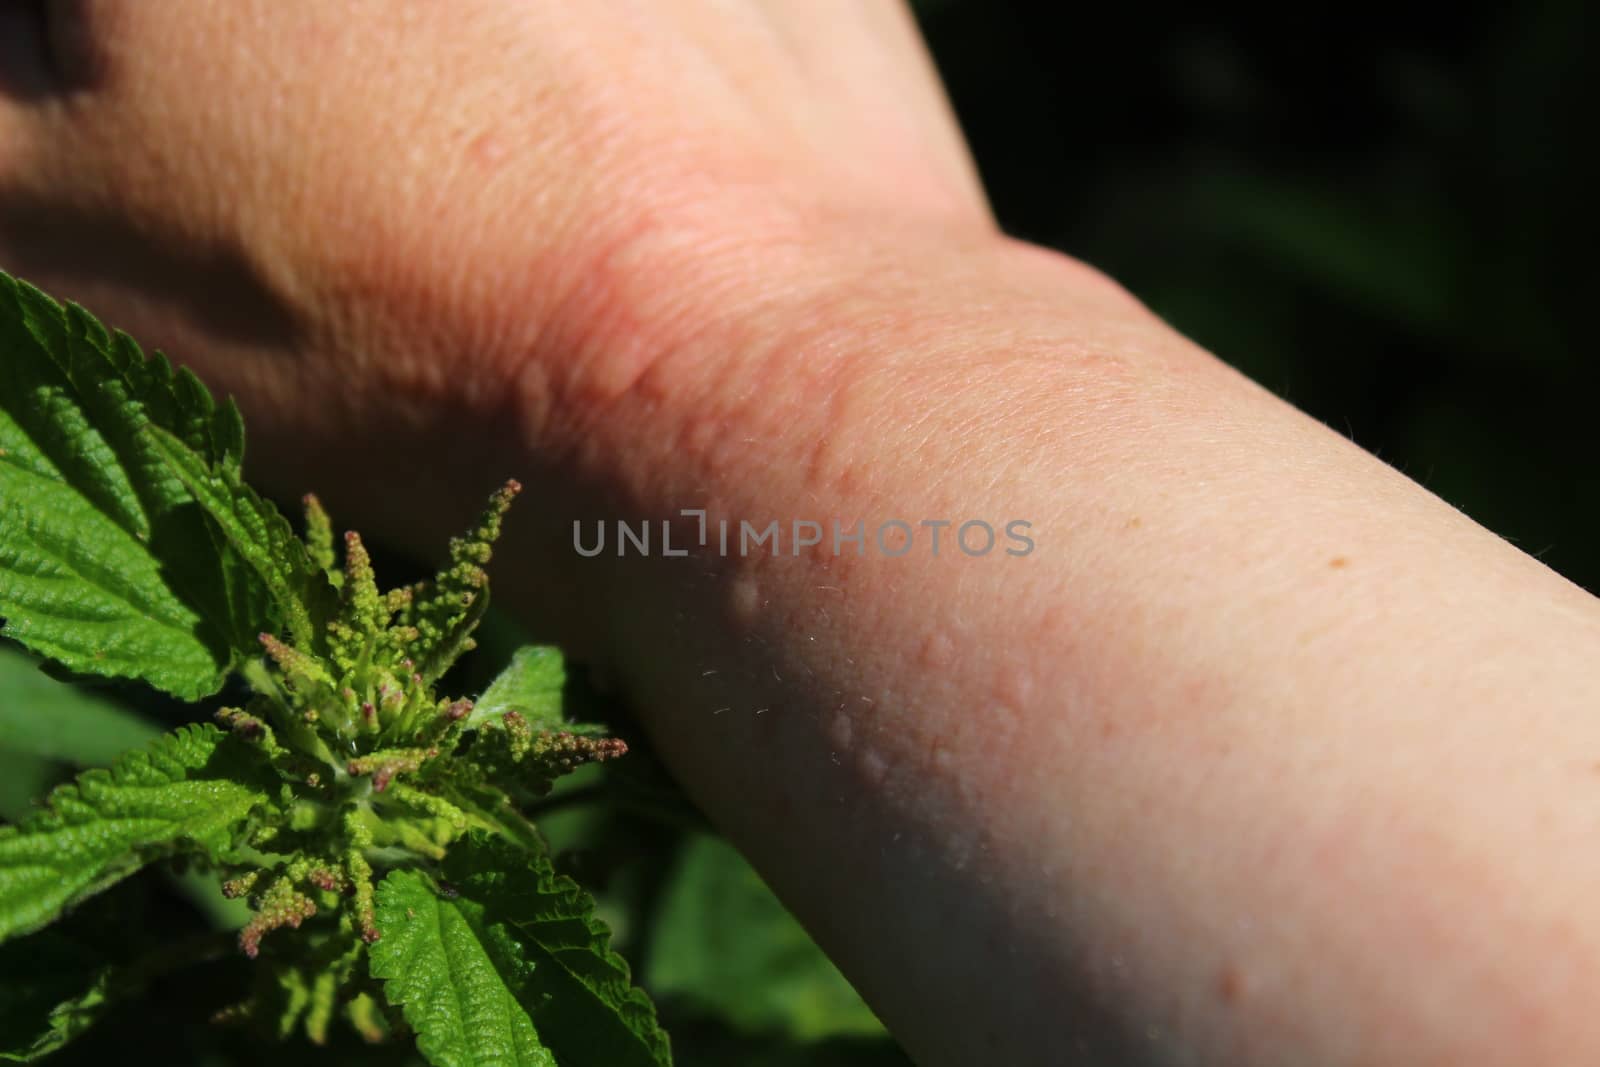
point(1264, 755)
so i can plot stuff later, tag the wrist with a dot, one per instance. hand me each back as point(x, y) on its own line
point(799, 385)
point(673, 361)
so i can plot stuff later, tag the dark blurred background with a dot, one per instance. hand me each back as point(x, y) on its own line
point(1384, 213)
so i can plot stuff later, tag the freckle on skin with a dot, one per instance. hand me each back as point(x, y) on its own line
point(1230, 984)
point(1339, 563)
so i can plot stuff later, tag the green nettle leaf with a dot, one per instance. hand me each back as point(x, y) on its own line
point(40, 716)
point(531, 686)
point(105, 564)
point(253, 528)
point(51, 997)
point(55, 986)
point(194, 790)
point(67, 1019)
point(456, 987)
point(727, 947)
point(579, 991)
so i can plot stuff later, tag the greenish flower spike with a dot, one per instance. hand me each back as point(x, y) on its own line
point(319, 533)
point(346, 794)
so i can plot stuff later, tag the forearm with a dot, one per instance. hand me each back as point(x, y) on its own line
point(1261, 754)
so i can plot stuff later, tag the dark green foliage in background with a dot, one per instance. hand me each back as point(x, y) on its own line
point(1383, 212)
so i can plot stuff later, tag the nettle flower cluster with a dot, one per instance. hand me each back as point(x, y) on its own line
point(379, 830)
point(377, 768)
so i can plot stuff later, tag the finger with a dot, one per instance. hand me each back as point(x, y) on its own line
point(51, 53)
point(78, 33)
point(49, 48)
point(24, 51)
point(25, 79)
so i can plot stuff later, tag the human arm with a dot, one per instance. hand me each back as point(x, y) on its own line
point(1264, 754)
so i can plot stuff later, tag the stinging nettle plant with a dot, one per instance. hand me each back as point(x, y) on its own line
point(377, 828)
